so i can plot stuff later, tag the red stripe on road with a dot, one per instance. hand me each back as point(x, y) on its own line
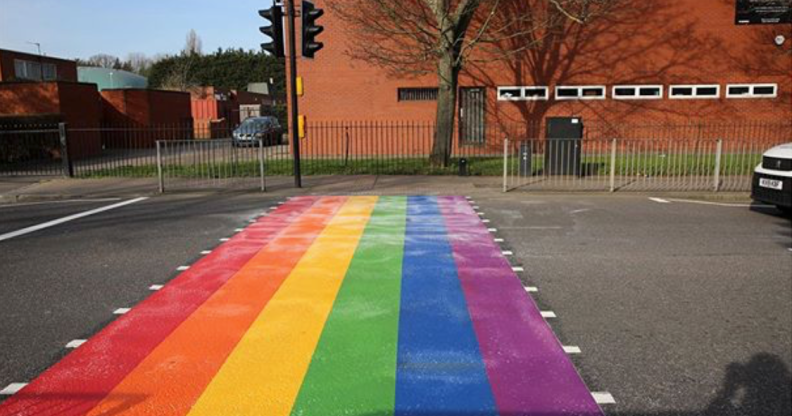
point(83, 378)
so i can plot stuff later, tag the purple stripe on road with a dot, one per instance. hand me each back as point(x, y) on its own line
point(528, 369)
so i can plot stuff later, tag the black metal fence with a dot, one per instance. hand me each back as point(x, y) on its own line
point(329, 148)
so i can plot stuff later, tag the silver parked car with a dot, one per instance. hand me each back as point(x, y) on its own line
point(254, 129)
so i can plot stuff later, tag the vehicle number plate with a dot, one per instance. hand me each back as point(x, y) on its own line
point(771, 183)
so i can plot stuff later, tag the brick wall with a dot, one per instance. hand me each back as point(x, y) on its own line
point(661, 42)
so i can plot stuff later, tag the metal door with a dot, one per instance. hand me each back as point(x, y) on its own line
point(472, 119)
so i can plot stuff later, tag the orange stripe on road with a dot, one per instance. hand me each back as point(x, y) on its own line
point(173, 376)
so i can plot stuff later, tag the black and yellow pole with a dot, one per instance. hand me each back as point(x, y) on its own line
point(295, 117)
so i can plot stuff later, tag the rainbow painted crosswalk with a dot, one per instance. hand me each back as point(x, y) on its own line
point(328, 306)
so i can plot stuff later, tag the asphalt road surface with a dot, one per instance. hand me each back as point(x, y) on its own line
point(678, 308)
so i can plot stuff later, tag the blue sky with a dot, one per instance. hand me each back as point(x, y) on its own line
point(81, 28)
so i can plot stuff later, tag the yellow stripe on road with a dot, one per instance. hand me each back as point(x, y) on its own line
point(263, 374)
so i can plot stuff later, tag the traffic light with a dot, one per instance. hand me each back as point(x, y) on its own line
point(275, 31)
point(310, 30)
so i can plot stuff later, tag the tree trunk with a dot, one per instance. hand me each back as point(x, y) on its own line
point(448, 75)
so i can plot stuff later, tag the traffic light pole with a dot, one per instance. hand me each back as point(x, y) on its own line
point(295, 114)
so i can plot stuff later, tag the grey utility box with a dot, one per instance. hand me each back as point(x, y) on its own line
point(564, 137)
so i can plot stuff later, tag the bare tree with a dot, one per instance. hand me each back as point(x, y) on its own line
point(193, 45)
point(139, 62)
point(103, 60)
point(419, 37)
point(180, 77)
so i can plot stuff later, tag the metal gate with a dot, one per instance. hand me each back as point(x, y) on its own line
point(472, 115)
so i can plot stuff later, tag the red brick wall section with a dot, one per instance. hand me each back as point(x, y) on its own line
point(661, 42)
point(81, 109)
point(29, 98)
point(66, 70)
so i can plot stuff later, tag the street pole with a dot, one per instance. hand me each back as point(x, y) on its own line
point(293, 91)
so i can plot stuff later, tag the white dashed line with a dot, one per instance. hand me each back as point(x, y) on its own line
point(548, 314)
point(476, 207)
point(59, 221)
point(121, 311)
point(492, 230)
point(252, 221)
point(660, 200)
point(481, 214)
point(518, 269)
point(531, 289)
point(498, 240)
point(571, 349)
point(603, 397)
point(485, 221)
point(205, 252)
point(156, 287)
point(76, 343)
point(721, 204)
point(507, 253)
point(182, 268)
point(239, 230)
point(12, 388)
point(225, 239)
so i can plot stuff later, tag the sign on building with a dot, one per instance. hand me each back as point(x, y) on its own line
point(763, 12)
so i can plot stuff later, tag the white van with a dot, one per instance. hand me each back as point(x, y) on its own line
point(772, 180)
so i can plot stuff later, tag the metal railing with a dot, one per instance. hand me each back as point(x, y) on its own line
point(33, 150)
point(210, 164)
point(631, 165)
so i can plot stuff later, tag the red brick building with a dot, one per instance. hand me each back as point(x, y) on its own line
point(69, 102)
point(20, 66)
point(664, 61)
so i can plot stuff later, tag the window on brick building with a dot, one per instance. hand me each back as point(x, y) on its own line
point(417, 94)
point(580, 93)
point(752, 90)
point(27, 70)
point(681, 92)
point(638, 92)
point(522, 93)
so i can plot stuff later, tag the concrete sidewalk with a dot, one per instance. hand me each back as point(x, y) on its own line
point(44, 189)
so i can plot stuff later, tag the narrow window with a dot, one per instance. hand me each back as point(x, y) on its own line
point(580, 93)
point(417, 94)
point(680, 92)
point(752, 90)
point(536, 93)
point(638, 92)
point(510, 93)
point(623, 92)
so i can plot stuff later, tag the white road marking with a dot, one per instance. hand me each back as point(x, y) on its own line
point(498, 240)
point(156, 287)
point(476, 207)
point(121, 311)
point(182, 268)
point(64, 201)
point(76, 343)
point(603, 397)
point(481, 214)
point(660, 200)
point(507, 253)
point(721, 204)
point(225, 239)
point(571, 349)
point(205, 252)
point(518, 269)
point(531, 289)
point(548, 314)
point(239, 230)
point(485, 221)
point(59, 221)
point(790, 249)
point(12, 388)
point(492, 230)
point(252, 221)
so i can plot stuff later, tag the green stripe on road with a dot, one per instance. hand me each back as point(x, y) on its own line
point(354, 366)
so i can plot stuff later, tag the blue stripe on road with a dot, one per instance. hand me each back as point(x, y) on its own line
point(439, 363)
